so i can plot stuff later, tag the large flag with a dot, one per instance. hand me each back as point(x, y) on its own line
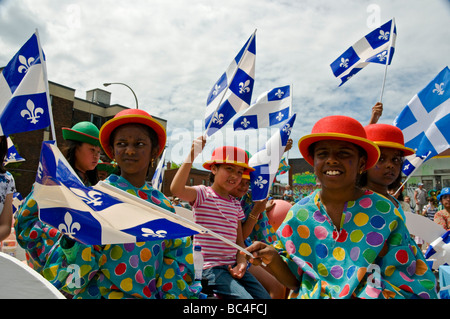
point(375, 47)
point(158, 176)
point(102, 214)
point(425, 122)
point(23, 91)
point(232, 93)
point(267, 160)
point(271, 108)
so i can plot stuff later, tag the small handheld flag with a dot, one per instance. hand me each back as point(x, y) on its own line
point(24, 101)
point(376, 47)
point(271, 108)
point(232, 93)
point(267, 161)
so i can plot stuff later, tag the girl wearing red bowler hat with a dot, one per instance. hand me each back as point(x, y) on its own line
point(342, 241)
point(386, 174)
point(215, 207)
point(158, 269)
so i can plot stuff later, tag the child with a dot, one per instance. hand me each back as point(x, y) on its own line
point(386, 174)
point(341, 241)
point(82, 151)
point(159, 269)
point(216, 209)
point(442, 217)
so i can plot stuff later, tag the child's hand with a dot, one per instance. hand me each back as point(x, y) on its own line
point(197, 147)
point(262, 253)
point(238, 271)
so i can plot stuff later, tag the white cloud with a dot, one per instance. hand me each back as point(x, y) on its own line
point(171, 52)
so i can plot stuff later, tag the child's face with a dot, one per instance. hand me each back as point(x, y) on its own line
point(445, 199)
point(227, 177)
point(132, 149)
point(241, 189)
point(337, 163)
point(86, 157)
point(387, 169)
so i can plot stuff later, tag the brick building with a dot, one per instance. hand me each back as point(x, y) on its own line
point(67, 111)
point(196, 177)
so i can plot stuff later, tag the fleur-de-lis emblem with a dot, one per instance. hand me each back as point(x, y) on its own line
point(279, 116)
point(382, 56)
point(90, 198)
point(245, 123)
point(383, 35)
point(439, 88)
point(216, 89)
point(244, 87)
point(26, 64)
point(69, 227)
point(287, 129)
point(344, 63)
point(218, 118)
point(147, 232)
point(12, 156)
point(260, 182)
point(279, 93)
point(32, 113)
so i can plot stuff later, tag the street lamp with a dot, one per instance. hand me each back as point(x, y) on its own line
point(108, 84)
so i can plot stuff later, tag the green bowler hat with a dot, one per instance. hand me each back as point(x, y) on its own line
point(83, 132)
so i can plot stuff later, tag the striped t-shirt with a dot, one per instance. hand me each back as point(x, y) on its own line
point(220, 215)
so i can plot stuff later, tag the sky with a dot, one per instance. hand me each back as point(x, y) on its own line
point(172, 52)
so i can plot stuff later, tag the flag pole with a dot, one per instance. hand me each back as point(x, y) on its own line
point(228, 84)
point(387, 59)
point(47, 91)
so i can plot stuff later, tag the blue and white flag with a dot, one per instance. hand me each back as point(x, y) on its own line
point(439, 250)
point(232, 93)
point(425, 122)
point(375, 47)
point(102, 214)
point(158, 176)
point(271, 108)
point(267, 161)
point(23, 92)
point(12, 156)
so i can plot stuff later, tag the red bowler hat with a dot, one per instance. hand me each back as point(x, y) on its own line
point(342, 128)
point(130, 116)
point(229, 155)
point(385, 135)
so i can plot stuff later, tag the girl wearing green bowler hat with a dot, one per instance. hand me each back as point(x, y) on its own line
point(82, 151)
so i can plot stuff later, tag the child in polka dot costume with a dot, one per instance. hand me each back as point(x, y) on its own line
point(341, 241)
point(159, 269)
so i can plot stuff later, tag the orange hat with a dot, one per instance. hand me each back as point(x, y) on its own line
point(385, 135)
point(131, 116)
point(342, 128)
point(229, 155)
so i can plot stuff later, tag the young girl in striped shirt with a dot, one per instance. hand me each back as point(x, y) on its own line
point(215, 208)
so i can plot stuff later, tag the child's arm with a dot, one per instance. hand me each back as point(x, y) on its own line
point(268, 255)
point(178, 187)
point(241, 261)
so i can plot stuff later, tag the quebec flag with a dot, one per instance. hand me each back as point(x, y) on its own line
point(23, 92)
point(12, 156)
point(375, 47)
point(425, 122)
point(267, 161)
point(232, 93)
point(102, 214)
point(270, 108)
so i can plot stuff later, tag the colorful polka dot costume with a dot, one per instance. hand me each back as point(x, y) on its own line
point(262, 231)
point(154, 269)
point(371, 256)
